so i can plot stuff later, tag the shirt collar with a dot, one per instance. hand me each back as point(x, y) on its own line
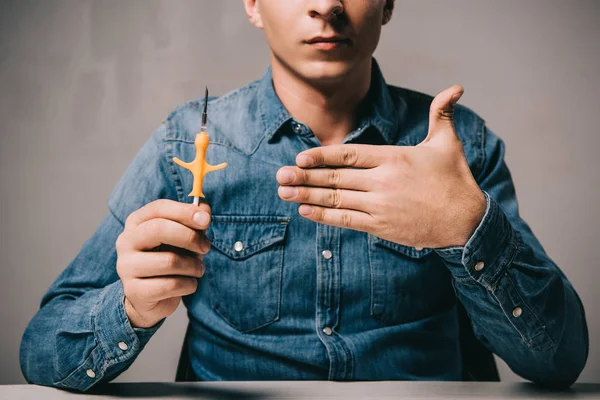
point(273, 113)
point(380, 110)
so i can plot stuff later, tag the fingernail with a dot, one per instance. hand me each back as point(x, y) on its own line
point(205, 247)
point(303, 160)
point(305, 210)
point(285, 176)
point(201, 218)
point(456, 97)
point(287, 192)
point(202, 268)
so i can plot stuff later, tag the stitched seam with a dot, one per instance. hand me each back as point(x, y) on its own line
point(467, 280)
point(480, 149)
point(509, 320)
point(332, 360)
point(247, 249)
point(513, 251)
point(370, 255)
point(540, 323)
point(406, 250)
point(94, 326)
point(233, 94)
point(477, 237)
point(227, 145)
point(77, 370)
point(348, 353)
point(168, 151)
point(283, 222)
point(277, 313)
point(216, 142)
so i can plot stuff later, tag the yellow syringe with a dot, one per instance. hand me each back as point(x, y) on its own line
point(199, 167)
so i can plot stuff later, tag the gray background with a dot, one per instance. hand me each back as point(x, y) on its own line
point(84, 83)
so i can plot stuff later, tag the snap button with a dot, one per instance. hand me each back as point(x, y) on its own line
point(517, 312)
point(327, 331)
point(479, 266)
point(327, 254)
point(123, 346)
point(238, 246)
point(90, 373)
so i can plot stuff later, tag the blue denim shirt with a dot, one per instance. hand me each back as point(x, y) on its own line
point(272, 305)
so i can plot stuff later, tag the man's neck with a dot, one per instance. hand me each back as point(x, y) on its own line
point(329, 110)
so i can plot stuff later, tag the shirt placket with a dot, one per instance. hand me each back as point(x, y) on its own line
point(328, 301)
point(328, 264)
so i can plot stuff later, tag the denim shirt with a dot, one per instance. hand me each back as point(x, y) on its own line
point(287, 298)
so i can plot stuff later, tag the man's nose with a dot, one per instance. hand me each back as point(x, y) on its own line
point(328, 10)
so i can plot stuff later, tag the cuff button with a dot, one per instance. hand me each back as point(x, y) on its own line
point(517, 312)
point(479, 266)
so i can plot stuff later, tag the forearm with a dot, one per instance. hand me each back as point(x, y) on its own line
point(91, 342)
point(81, 335)
point(77, 337)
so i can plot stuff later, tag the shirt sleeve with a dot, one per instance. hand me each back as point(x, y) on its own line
point(521, 305)
point(81, 335)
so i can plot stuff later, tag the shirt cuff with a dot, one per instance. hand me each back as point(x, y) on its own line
point(117, 341)
point(111, 326)
point(489, 251)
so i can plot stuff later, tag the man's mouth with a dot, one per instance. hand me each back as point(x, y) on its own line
point(328, 42)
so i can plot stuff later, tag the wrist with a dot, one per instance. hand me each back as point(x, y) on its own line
point(472, 214)
point(135, 318)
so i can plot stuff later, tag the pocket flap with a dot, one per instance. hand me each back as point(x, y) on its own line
point(240, 236)
point(409, 251)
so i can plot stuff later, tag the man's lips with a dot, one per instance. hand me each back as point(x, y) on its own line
point(328, 43)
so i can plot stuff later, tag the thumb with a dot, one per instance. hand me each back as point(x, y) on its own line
point(441, 112)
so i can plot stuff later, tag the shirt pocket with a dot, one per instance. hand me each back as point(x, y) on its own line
point(407, 284)
point(245, 273)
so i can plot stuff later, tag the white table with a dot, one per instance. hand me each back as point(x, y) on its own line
point(306, 390)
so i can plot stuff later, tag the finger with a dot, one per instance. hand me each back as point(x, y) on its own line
point(152, 264)
point(165, 287)
point(159, 231)
point(331, 198)
point(441, 112)
point(338, 178)
point(197, 217)
point(350, 219)
point(344, 155)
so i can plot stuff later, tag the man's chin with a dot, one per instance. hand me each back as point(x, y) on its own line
point(326, 72)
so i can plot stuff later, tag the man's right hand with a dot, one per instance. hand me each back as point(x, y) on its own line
point(159, 258)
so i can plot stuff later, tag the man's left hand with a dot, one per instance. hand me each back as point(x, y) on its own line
point(421, 196)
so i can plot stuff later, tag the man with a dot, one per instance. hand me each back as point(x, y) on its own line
point(353, 220)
